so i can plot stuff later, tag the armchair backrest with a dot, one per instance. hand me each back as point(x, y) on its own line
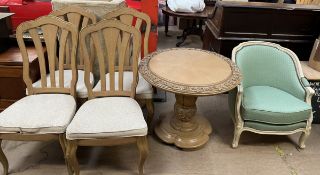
point(132, 17)
point(269, 64)
point(111, 40)
point(79, 17)
point(50, 28)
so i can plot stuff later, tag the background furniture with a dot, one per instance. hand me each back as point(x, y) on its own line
point(5, 30)
point(12, 86)
point(142, 22)
point(274, 97)
point(111, 116)
point(188, 73)
point(45, 113)
point(290, 25)
point(194, 29)
point(313, 77)
point(80, 18)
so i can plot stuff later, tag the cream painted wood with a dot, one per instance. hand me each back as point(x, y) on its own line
point(238, 120)
point(143, 24)
point(51, 28)
point(115, 36)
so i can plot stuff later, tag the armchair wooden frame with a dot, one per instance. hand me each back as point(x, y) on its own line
point(127, 16)
point(116, 36)
point(51, 27)
point(238, 120)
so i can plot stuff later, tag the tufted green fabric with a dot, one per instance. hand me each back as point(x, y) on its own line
point(268, 127)
point(267, 66)
point(271, 105)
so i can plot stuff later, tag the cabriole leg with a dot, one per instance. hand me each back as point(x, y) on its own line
point(143, 147)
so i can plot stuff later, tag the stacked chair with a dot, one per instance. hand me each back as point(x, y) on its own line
point(142, 22)
point(48, 109)
point(111, 116)
point(80, 18)
point(274, 96)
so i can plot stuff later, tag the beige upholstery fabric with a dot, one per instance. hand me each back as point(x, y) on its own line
point(108, 117)
point(38, 114)
point(81, 87)
point(143, 86)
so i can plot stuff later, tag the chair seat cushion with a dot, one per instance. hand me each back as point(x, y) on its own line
point(38, 114)
point(81, 87)
point(143, 86)
point(270, 105)
point(108, 117)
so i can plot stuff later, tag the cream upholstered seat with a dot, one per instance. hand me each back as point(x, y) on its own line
point(143, 86)
point(42, 113)
point(142, 22)
point(108, 117)
point(81, 89)
point(48, 109)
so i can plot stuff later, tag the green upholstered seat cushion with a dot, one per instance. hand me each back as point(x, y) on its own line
point(270, 127)
point(271, 105)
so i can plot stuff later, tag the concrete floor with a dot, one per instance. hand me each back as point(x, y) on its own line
point(256, 154)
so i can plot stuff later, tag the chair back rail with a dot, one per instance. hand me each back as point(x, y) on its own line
point(50, 28)
point(139, 20)
point(81, 18)
point(111, 40)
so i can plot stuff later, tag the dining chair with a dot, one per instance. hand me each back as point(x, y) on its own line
point(45, 113)
point(274, 97)
point(142, 22)
point(111, 116)
point(80, 18)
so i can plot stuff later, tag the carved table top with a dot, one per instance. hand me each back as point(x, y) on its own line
point(190, 71)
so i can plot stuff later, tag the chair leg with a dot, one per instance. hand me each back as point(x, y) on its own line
point(4, 161)
point(236, 137)
point(150, 109)
point(303, 139)
point(63, 143)
point(72, 158)
point(143, 147)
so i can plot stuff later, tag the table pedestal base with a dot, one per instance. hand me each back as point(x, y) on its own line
point(183, 128)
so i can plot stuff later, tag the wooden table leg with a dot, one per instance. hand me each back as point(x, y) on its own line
point(184, 128)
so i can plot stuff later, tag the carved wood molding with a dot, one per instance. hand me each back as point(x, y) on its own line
point(200, 90)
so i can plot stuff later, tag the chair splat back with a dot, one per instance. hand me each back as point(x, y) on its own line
point(54, 32)
point(81, 18)
point(111, 40)
point(132, 17)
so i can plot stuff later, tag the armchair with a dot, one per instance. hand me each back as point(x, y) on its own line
point(274, 97)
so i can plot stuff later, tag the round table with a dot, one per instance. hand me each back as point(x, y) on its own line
point(188, 73)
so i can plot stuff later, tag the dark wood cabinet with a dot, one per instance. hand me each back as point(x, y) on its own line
point(12, 86)
point(293, 26)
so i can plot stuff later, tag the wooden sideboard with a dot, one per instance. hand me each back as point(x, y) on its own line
point(12, 86)
point(293, 26)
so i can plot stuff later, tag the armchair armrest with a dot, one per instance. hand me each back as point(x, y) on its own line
point(235, 99)
point(305, 82)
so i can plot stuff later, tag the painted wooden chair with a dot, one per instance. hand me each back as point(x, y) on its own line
point(80, 18)
point(47, 110)
point(111, 116)
point(274, 96)
point(142, 22)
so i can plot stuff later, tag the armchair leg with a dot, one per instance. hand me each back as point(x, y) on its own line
point(4, 160)
point(303, 139)
point(72, 158)
point(236, 137)
point(150, 109)
point(143, 147)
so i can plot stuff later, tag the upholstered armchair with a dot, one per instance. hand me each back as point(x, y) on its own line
point(274, 97)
